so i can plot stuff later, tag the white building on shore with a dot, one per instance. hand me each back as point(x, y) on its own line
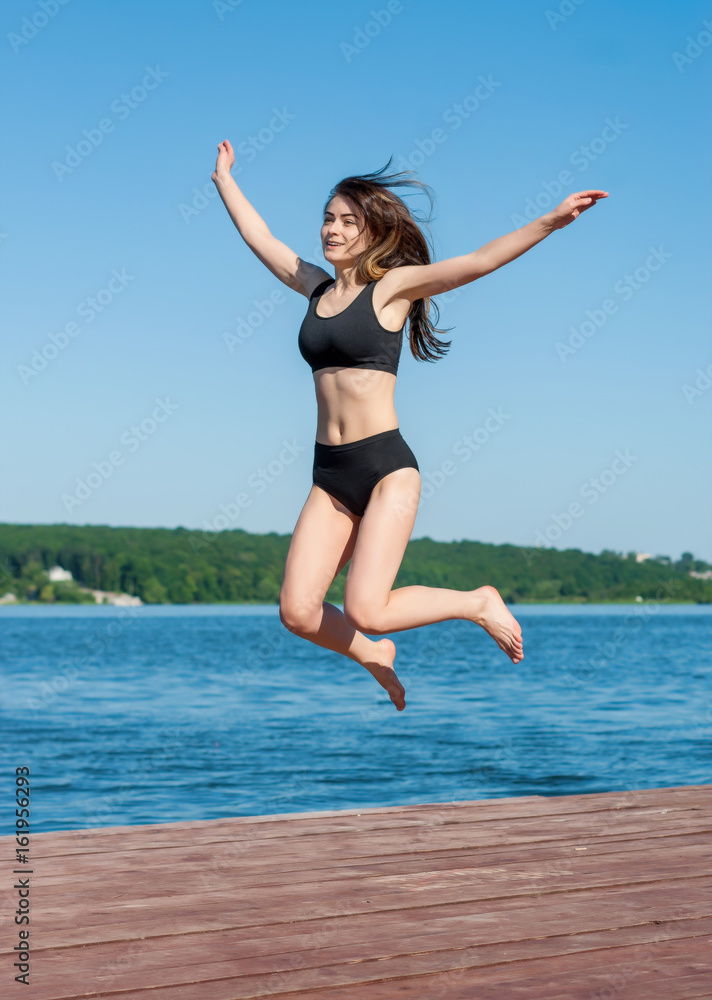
point(58, 575)
point(112, 597)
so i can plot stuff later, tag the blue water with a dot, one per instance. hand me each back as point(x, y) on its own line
point(161, 714)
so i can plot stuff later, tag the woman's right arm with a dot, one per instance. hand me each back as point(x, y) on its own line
point(283, 263)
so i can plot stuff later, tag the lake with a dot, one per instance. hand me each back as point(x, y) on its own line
point(171, 713)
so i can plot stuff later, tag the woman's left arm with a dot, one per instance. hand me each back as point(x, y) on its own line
point(419, 281)
point(506, 248)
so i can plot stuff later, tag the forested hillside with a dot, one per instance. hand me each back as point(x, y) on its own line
point(181, 566)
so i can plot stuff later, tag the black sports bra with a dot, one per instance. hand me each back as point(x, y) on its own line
point(352, 339)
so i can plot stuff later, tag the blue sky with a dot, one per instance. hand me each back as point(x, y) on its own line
point(568, 366)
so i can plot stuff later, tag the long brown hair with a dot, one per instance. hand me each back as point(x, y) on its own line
point(396, 240)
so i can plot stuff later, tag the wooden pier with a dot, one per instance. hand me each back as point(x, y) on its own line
point(579, 896)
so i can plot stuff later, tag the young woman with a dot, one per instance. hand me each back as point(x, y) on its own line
point(366, 489)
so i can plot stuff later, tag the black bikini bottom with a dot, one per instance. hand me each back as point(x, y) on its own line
point(349, 472)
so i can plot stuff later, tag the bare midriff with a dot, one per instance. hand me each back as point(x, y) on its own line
point(353, 403)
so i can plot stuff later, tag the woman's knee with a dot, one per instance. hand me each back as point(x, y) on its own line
point(362, 616)
point(298, 614)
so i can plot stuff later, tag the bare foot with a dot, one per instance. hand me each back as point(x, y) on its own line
point(492, 614)
point(381, 667)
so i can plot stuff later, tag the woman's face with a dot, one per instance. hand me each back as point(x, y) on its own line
point(341, 236)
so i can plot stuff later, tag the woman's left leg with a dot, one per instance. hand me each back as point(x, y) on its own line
point(372, 607)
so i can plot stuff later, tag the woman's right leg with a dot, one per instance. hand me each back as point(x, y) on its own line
point(322, 543)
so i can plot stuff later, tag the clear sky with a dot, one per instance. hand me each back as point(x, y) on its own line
point(568, 368)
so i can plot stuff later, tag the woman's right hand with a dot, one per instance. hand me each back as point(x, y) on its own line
point(225, 161)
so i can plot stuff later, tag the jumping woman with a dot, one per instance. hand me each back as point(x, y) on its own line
point(363, 503)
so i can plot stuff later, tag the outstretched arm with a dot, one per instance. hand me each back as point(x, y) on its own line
point(505, 248)
point(422, 280)
point(282, 262)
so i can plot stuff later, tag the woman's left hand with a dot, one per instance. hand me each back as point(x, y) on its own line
point(571, 207)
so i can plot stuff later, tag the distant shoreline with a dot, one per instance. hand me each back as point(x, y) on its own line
point(158, 566)
point(273, 604)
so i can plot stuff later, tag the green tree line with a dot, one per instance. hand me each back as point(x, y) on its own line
point(184, 566)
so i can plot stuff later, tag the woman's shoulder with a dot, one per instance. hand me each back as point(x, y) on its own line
point(314, 281)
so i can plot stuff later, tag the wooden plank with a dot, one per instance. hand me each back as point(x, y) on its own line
point(177, 894)
point(219, 870)
point(151, 964)
point(117, 920)
point(270, 869)
point(622, 822)
point(625, 824)
point(465, 871)
point(490, 921)
point(369, 843)
point(653, 966)
point(293, 825)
